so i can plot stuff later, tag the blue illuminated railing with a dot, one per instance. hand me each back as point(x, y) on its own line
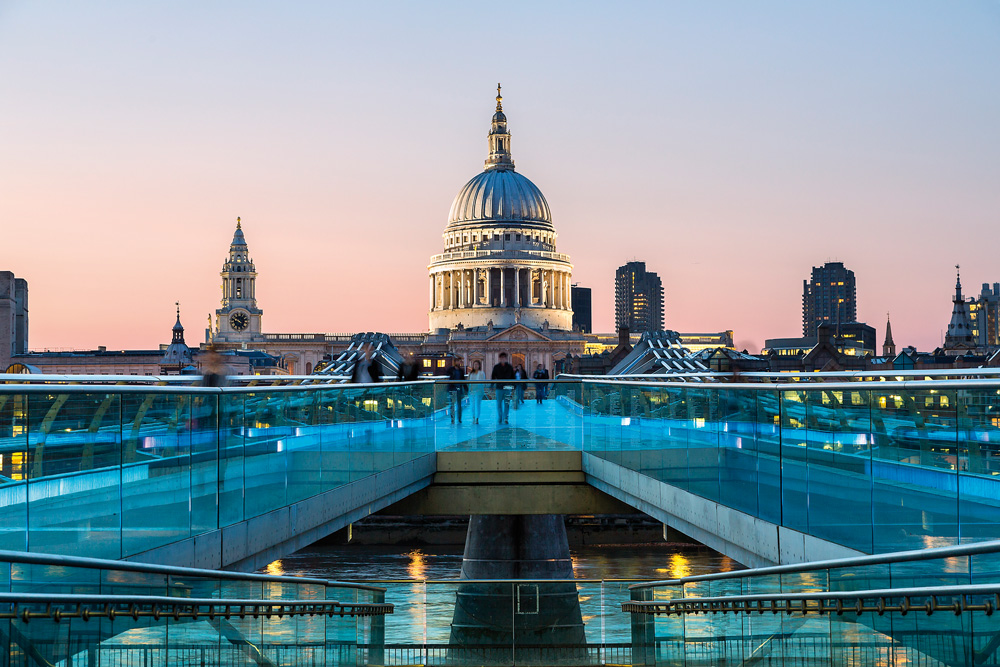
point(61, 609)
point(932, 606)
point(116, 470)
point(112, 471)
point(875, 466)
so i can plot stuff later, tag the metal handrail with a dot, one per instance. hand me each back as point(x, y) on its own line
point(756, 603)
point(803, 386)
point(57, 560)
point(319, 385)
point(804, 375)
point(987, 547)
point(134, 606)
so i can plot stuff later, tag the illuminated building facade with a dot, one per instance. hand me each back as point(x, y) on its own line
point(985, 314)
point(500, 263)
point(829, 296)
point(638, 298)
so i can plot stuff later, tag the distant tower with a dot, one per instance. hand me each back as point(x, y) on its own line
point(13, 317)
point(638, 298)
point(178, 355)
point(829, 296)
point(239, 318)
point(889, 346)
point(959, 337)
point(582, 314)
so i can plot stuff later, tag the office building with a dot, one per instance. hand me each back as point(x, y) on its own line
point(638, 298)
point(829, 296)
point(582, 312)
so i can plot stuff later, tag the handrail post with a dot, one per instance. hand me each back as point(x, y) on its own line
point(376, 649)
point(643, 631)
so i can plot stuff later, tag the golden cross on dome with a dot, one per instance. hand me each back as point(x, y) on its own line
point(499, 99)
point(237, 222)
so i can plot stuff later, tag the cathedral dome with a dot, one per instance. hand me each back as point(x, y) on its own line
point(500, 196)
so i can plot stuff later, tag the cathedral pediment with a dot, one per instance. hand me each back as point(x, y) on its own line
point(519, 334)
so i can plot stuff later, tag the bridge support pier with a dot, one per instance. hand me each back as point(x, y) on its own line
point(501, 621)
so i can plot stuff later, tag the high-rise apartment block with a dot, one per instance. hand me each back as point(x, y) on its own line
point(638, 298)
point(582, 311)
point(985, 313)
point(828, 296)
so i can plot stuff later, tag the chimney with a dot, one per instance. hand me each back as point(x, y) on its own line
point(623, 336)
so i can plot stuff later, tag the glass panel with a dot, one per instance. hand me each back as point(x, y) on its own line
point(205, 476)
point(794, 443)
point(738, 449)
point(13, 471)
point(701, 421)
point(838, 460)
point(769, 455)
point(73, 467)
point(231, 459)
point(914, 469)
point(300, 442)
point(156, 470)
point(265, 455)
point(979, 466)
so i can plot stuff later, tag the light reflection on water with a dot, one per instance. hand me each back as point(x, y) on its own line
point(424, 610)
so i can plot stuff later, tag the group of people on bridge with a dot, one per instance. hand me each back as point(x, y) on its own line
point(507, 392)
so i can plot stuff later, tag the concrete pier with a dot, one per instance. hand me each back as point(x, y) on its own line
point(498, 622)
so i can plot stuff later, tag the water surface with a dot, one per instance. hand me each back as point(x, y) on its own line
point(421, 581)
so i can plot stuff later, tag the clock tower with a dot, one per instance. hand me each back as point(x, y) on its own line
point(238, 321)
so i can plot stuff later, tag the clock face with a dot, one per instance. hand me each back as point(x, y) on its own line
point(239, 321)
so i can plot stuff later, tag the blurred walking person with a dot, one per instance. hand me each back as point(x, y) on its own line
point(519, 374)
point(455, 391)
point(503, 371)
point(477, 391)
point(541, 388)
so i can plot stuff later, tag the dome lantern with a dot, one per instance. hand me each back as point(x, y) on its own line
point(499, 138)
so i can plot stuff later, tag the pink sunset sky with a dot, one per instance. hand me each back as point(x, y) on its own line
point(730, 146)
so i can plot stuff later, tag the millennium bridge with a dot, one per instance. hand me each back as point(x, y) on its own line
point(134, 510)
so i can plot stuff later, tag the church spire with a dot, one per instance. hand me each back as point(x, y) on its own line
point(499, 139)
point(889, 345)
point(960, 328)
point(178, 330)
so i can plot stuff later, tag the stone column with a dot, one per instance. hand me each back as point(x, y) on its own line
point(503, 292)
point(569, 294)
point(517, 287)
point(431, 289)
point(461, 288)
point(489, 287)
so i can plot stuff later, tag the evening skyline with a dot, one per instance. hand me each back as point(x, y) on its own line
point(731, 150)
